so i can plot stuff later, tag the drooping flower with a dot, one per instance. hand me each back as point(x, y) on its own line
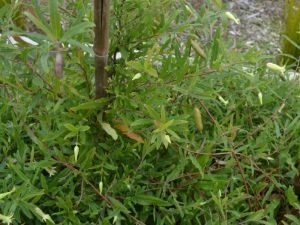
point(51, 170)
point(6, 219)
point(100, 187)
point(45, 217)
point(3, 195)
point(232, 17)
point(277, 68)
point(260, 97)
point(225, 102)
point(76, 152)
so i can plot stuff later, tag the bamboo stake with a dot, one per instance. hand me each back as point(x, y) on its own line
point(101, 45)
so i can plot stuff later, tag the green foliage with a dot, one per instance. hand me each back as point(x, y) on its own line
point(137, 157)
point(291, 36)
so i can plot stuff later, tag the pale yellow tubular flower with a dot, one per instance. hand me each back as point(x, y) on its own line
point(198, 119)
point(232, 17)
point(260, 97)
point(51, 171)
point(281, 107)
point(276, 67)
point(76, 152)
point(115, 219)
point(3, 195)
point(45, 217)
point(100, 187)
point(189, 9)
point(6, 219)
point(137, 76)
point(168, 138)
point(225, 102)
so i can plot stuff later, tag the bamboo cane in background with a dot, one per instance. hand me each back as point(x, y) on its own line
point(291, 37)
point(101, 44)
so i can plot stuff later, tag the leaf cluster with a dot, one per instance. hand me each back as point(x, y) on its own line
point(138, 156)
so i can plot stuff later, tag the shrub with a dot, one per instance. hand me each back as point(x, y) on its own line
point(137, 157)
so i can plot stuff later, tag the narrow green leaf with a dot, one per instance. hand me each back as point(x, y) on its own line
point(215, 47)
point(256, 216)
point(44, 183)
point(292, 42)
point(164, 126)
point(17, 170)
point(119, 205)
point(292, 198)
point(293, 218)
point(83, 128)
point(196, 164)
point(143, 199)
point(41, 26)
point(77, 29)
point(84, 47)
point(35, 140)
point(55, 19)
point(94, 104)
point(151, 111)
point(70, 127)
point(141, 122)
point(140, 67)
point(203, 159)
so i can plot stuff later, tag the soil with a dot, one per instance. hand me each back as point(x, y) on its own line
point(261, 22)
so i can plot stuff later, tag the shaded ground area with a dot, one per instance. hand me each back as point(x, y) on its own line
point(261, 22)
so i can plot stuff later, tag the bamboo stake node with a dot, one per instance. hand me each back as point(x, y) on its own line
point(101, 56)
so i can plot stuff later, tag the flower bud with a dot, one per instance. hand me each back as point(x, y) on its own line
point(137, 76)
point(100, 187)
point(198, 119)
point(76, 152)
point(260, 97)
point(232, 17)
point(275, 67)
point(115, 219)
point(225, 102)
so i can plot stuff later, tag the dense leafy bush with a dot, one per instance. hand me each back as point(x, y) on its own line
point(137, 157)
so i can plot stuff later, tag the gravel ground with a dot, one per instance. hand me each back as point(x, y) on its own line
point(261, 22)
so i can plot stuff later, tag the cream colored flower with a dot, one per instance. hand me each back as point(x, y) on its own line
point(76, 152)
point(6, 219)
point(275, 67)
point(45, 217)
point(51, 171)
point(137, 76)
point(260, 97)
point(232, 17)
point(3, 195)
point(225, 102)
point(100, 187)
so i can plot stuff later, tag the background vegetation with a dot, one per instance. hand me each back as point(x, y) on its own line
point(193, 131)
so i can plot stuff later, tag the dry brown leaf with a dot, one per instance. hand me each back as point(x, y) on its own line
point(122, 127)
point(135, 136)
point(125, 130)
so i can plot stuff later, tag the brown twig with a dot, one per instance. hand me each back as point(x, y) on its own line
point(103, 197)
point(35, 72)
